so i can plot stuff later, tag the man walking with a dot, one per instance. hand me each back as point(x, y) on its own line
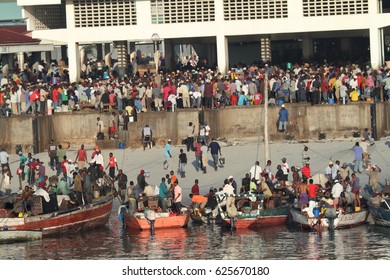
point(214, 149)
point(52, 153)
point(182, 163)
point(147, 136)
point(81, 157)
point(167, 155)
point(122, 182)
point(358, 158)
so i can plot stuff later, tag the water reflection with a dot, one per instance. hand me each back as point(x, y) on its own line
point(207, 242)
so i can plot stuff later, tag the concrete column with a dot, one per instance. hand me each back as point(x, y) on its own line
point(222, 54)
point(121, 47)
point(307, 47)
point(265, 49)
point(99, 51)
point(64, 52)
point(169, 54)
point(107, 54)
point(48, 57)
point(74, 61)
point(21, 60)
point(10, 61)
point(376, 40)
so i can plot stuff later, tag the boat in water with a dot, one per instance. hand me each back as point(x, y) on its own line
point(56, 221)
point(328, 218)
point(260, 218)
point(150, 220)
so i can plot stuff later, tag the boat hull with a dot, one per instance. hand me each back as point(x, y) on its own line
point(343, 220)
point(135, 223)
point(267, 218)
point(379, 215)
point(72, 220)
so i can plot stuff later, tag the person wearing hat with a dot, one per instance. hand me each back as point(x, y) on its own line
point(343, 171)
point(373, 177)
point(283, 118)
point(328, 171)
point(167, 155)
point(337, 189)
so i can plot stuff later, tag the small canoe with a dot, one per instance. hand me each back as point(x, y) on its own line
point(12, 236)
point(380, 213)
point(140, 222)
point(258, 219)
point(322, 222)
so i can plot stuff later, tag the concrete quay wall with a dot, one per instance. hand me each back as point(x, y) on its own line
point(305, 123)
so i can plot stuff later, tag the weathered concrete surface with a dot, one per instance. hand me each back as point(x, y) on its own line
point(306, 122)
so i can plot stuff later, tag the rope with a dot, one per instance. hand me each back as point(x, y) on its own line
point(387, 163)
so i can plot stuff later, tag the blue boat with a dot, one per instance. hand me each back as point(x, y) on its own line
point(380, 212)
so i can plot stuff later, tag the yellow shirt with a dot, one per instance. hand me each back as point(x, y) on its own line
point(354, 95)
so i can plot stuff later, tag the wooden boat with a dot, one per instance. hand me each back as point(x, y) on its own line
point(324, 222)
point(259, 218)
point(380, 212)
point(138, 221)
point(12, 236)
point(57, 222)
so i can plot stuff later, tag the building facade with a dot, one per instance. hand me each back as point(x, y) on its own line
point(225, 32)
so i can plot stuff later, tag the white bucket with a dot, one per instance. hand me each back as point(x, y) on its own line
point(96, 194)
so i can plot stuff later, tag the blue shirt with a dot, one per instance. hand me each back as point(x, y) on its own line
point(241, 100)
point(358, 152)
point(168, 152)
point(283, 115)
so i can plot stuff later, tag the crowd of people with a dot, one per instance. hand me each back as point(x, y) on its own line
point(47, 89)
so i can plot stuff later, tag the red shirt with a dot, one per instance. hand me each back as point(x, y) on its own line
point(313, 190)
point(112, 161)
point(195, 189)
point(54, 95)
point(82, 155)
point(306, 171)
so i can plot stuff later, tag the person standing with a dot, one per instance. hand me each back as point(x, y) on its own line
point(22, 165)
point(167, 155)
point(336, 192)
point(78, 188)
point(198, 154)
point(358, 158)
point(195, 188)
point(163, 195)
point(373, 177)
point(177, 196)
point(112, 164)
point(285, 168)
point(215, 149)
point(121, 178)
point(81, 157)
point(255, 171)
point(99, 126)
point(305, 155)
point(205, 159)
point(283, 118)
point(190, 137)
point(147, 136)
point(4, 160)
point(182, 163)
point(52, 153)
point(112, 125)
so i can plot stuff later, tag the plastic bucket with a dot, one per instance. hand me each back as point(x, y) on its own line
point(316, 211)
point(289, 65)
point(331, 101)
point(280, 102)
point(121, 145)
point(357, 209)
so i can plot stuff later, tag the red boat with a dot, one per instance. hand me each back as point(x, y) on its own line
point(259, 219)
point(138, 221)
point(62, 221)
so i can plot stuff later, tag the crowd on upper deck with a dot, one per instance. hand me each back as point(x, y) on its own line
point(44, 87)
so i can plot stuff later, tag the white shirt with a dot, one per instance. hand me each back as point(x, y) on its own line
point(4, 157)
point(98, 159)
point(285, 168)
point(337, 190)
point(255, 172)
point(364, 146)
point(228, 189)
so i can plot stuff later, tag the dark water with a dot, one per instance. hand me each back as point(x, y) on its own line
point(207, 242)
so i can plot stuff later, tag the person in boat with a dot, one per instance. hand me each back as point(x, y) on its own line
point(255, 171)
point(279, 174)
point(163, 195)
point(343, 171)
point(198, 201)
point(253, 186)
point(78, 188)
point(313, 189)
point(267, 169)
point(87, 186)
point(27, 199)
point(121, 178)
point(212, 202)
point(336, 192)
point(303, 194)
point(229, 192)
point(246, 181)
point(355, 185)
point(263, 187)
point(296, 177)
point(98, 162)
point(134, 198)
point(233, 183)
point(346, 201)
point(177, 198)
point(373, 177)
